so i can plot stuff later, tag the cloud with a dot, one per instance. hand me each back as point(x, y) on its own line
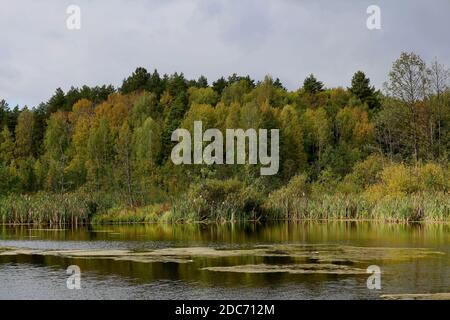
point(288, 39)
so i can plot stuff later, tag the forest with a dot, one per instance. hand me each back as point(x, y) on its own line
point(102, 154)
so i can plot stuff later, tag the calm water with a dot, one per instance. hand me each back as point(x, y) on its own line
point(36, 276)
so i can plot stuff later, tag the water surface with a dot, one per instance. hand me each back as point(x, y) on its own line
point(413, 259)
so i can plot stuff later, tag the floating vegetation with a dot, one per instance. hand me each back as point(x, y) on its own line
point(116, 255)
point(417, 296)
point(325, 255)
point(311, 268)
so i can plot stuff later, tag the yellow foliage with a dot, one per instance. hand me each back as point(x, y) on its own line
point(83, 107)
point(399, 180)
point(115, 109)
point(433, 177)
point(354, 126)
point(200, 112)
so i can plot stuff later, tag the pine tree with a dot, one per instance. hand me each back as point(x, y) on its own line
point(362, 89)
point(219, 85)
point(138, 81)
point(312, 85)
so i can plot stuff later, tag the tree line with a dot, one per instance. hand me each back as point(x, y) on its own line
point(119, 139)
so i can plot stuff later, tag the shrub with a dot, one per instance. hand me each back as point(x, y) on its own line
point(219, 200)
point(399, 180)
point(433, 177)
point(364, 174)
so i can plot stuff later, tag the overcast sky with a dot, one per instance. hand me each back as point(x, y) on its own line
point(288, 39)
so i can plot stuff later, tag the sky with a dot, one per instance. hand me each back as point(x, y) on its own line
point(288, 39)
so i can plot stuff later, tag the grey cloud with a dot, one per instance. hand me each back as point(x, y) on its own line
point(288, 39)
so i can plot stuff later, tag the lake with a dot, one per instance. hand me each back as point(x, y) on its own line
point(296, 260)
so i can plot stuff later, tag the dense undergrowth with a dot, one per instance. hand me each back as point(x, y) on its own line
point(395, 192)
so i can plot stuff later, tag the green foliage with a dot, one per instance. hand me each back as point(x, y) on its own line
point(146, 152)
point(364, 174)
point(288, 202)
point(202, 96)
point(292, 142)
point(353, 127)
point(146, 214)
point(53, 209)
point(408, 78)
point(340, 159)
point(219, 85)
point(236, 91)
point(24, 134)
point(267, 92)
point(217, 200)
point(312, 85)
point(6, 146)
point(100, 155)
point(317, 132)
point(345, 153)
point(57, 143)
point(136, 82)
point(399, 179)
point(145, 106)
point(362, 89)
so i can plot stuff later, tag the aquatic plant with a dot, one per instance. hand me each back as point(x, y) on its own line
point(53, 209)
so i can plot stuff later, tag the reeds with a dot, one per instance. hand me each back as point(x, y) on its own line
point(52, 209)
point(121, 215)
point(428, 207)
point(82, 208)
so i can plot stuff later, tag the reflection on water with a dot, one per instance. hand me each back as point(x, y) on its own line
point(32, 275)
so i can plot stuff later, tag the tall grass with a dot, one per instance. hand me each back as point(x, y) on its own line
point(147, 214)
point(231, 200)
point(429, 207)
point(53, 209)
point(83, 208)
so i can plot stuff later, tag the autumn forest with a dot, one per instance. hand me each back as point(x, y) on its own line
point(102, 154)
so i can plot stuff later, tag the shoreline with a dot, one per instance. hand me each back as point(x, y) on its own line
point(265, 222)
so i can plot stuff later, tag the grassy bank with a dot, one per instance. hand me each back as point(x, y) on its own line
point(51, 209)
point(395, 192)
point(411, 208)
point(148, 214)
point(406, 208)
